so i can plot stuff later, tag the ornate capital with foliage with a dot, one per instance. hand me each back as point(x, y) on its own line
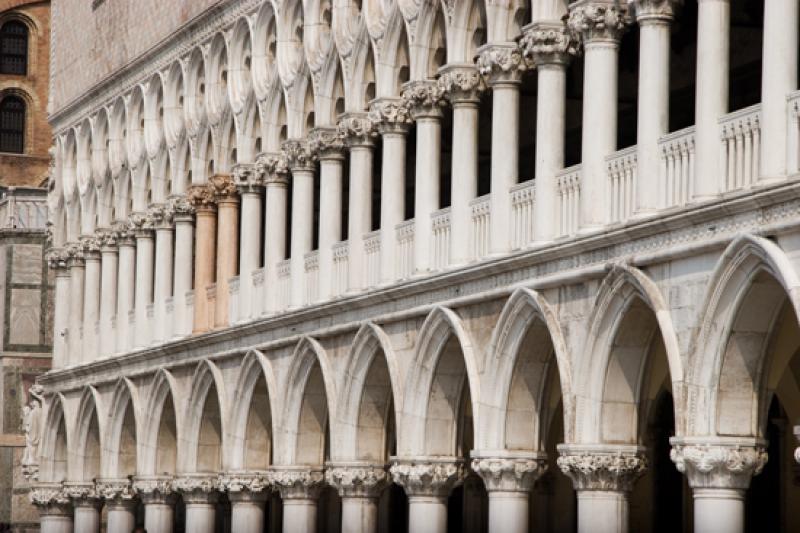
point(51, 499)
point(223, 187)
point(390, 115)
point(653, 11)
point(547, 43)
point(505, 473)
point(297, 482)
point(116, 491)
point(181, 207)
point(162, 216)
point(357, 479)
point(272, 168)
point(141, 224)
point(427, 476)
point(719, 464)
point(424, 98)
point(357, 129)
point(298, 155)
point(197, 488)
point(246, 179)
point(326, 143)
point(83, 494)
point(154, 489)
point(461, 83)
point(501, 63)
point(201, 197)
point(592, 20)
point(57, 258)
point(612, 468)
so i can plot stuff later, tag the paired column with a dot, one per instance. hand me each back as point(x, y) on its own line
point(603, 477)
point(158, 498)
point(300, 488)
point(91, 297)
point(462, 85)
point(76, 283)
point(184, 243)
point(201, 197)
point(250, 191)
point(143, 231)
point(360, 485)
point(301, 163)
point(719, 472)
point(109, 264)
point(120, 502)
point(126, 281)
point(501, 66)
point(248, 494)
point(274, 170)
point(509, 479)
point(598, 25)
point(57, 262)
point(200, 497)
point(86, 504)
point(428, 482)
point(55, 509)
point(162, 221)
point(227, 243)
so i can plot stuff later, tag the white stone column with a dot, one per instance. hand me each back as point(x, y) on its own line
point(200, 497)
point(76, 282)
point(159, 502)
point(360, 485)
point(392, 120)
point(796, 431)
point(425, 98)
point(143, 296)
point(301, 163)
point(300, 488)
point(548, 46)
point(55, 509)
point(184, 244)
point(501, 66)
point(250, 192)
point(778, 79)
point(509, 479)
point(163, 223)
point(86, 505)
point(248, 493)
point(603, 476)
point(462, 84)
point(91, 297)
point(275, 176)
point(719, 471)
point(427, 482)
point(120, 503)
point(357, 131)
point(327, 146)
point(125, 285)
point(109, 264)
point(711, 101)
point(57, 262)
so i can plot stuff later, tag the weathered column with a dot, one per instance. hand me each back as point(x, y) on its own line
point(501, 66)
point(427, 482)
point(509, 479)
point(548, 46)
point(462, 84)
point(598, 26)
point(327, 146)
point(301, 162)
point(162, 221)
point(91, 297)
point(274, 172)
point(778, 79)
point(143, 231)
point(120, 502)
point(55, 509)
point(76, 282)
point(86, 504)
point(392, 120)
point(250, 190)
point(227, 242)
point(199, 492)
point(202, 200)
point(357, 131)
point(360, 485)
point(711, 101)
point(719, 472)
point(603, 476)
point(425, 98)
point(156, 494)
point(248, 493)
point(184, 244)
point(126, 280)
point(300, 488)
point(57, 262)
point(108, 291)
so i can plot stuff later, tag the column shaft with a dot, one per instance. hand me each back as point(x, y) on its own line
point(158, 517)
point(360, 213)
point(87, 519)
point(250, 252)
point(76, 282)
point(550, 123)
point(61, 318)
point(200, 517)
point(359, 514)
point(393, 194)
point(330, 220)
point(56, 524)
point(300, 515)
point(144, 286)
point(508, 512)
point(108, 299)
point(204, 267)
point(426, 197)
point(163, 281)
point(505, 162)
point(121, 517)
point(464, 185)
point(275, 235)
point(718, 510)
point(427, 514)
point(184, 238)
point(126, 281)
point(227, 254)
point(91, 305)
point(302, 231)
point(247, 516)
point(602, 511)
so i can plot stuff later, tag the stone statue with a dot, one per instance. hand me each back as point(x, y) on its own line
point(32, 424)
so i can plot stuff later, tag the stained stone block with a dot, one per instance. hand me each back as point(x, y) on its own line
point(26, 263)
point(26, 310)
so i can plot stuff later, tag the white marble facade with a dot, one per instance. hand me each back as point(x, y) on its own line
point(607, 346)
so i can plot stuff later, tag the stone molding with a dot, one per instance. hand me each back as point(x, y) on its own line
point(197, 488)
point(297, 482)
point(326, 143)
point(201, 197)
point(653, 11)
point(356, 129)
point(154, 489)
point(501, 63)
point(608, 468)
point(51, 499)
point(272, 168)
point(82, 493)
point(461, 83)
point(424, 98)
point(357, 480)
point(509, 473)
point(547, 43)
point(719, 464)
point(428, 476)
point(596, 21)
point(390, 115)
point(298, 155)
point(116, 491)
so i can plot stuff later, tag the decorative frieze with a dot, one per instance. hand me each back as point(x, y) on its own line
point(545, 43)
point(611, 468)
point(297, 482)
point(390, 115)
point(356, 129)
point(298, 155)
point(361, 480)
point(461, 83)
point(501, 63)
point(593, 21)
point(721, 464)
point(424, 98)
point(510, 473)
point(428, 476)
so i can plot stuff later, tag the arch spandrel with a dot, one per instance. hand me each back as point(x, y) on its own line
point(466, 28)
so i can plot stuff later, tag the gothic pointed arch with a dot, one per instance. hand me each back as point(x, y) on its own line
point(157, 448)
point(205, 424)
point(122, 431)
point(89, 436)
point(55, 442)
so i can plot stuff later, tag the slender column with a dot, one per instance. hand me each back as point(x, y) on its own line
point(796, 431)
point(91, 297)
point(200, 496)
point(120, 504)
point(143, 296)
point(274, 172)
point(719, 472)
point(300, 488)
point(227, 242)
point(425, 98)
point(109, 263)
point(57, 262)
point(250, 191)
point(360, 485)
point(76, 282)
point(462, 84)
point(159, 501)
point(548, 46)
point(711, 101)
point(201, 198)
point(184, 241)
point(162, 220)
point(778, 79)
point(392, 120)
point(501, 66)
point(427, 482)
point(126, 281)
point(326, 144)
point(509, 479)
point(603, 476)
point(55, 509)
point(357, 131)
point(248, 493)
point(86, 504)
point(301, 162)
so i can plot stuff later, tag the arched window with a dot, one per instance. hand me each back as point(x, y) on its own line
point(13, 48)
point(12, 125)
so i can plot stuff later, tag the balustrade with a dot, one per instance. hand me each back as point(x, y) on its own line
point(440, 225)
point(188, 318)
point(677, 166)
point(372, 256)
point(284, 271)
point(169, 328)
point(405, 253)
point(522, 206)
point(793, 133)
point(258, 296)
point(481, 218)
point(233, 300)
point(740, 149)
point(622, 177)
point(341, 264)
point(312, 276)
point(569, 196)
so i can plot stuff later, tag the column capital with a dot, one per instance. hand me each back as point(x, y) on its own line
point(154, 489)
point(547, 43)
point(461, 83)
point(653, 11)
point(224, 188)
point(74, 253)
point(597, 21)
point(162, 216)
point(182, 208)
point(602, 467)
point(298, 155)
point(50, 499)
point(201, 197)
point(501, 63)
point(390, 115)
point(246, 179)
point(109, 239)
point(82, 493)
point(507, 472)
point(356, 129)
point(141, 225)
point(244, 482)
point(57, 259)
point(297, 482)
point(428, 476)
point(718, 463)
point(424, 98)
point(197, 488)
point(326, 143)
point(357, 480)
point(91, 245)
point(116, 491)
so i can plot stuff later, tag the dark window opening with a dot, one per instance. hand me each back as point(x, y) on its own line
point(528, 95)
point(411, 170)
point(14, 48)
point(12, 125)
point(746, 43)
point(683, 67)
point(446, 160)
point(573, 135)
point(345, 196)
point(377, 167)
point(628, 87)
point(485, 143)
point(315, 229)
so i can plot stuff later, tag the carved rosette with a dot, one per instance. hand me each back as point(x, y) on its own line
point(246, 179)
point(717, 465)
point(547, 44)
point(653, 11)
point(428, 477)
point(424, 98)
point(510, 474)
point(597, 21)
point(357, 479)
point(602, 468)
point(501, 63)
point(298, 156)
point(223, 187)
point(83, 494)
point(461, 83)
point(116, 491)
point(201, 197)
point(154, 489)
point(272, 169)
point(357, 129)
point(390, 115)
point(297, 482)
point(198, 488)
point(51, 500)
point(326, 143)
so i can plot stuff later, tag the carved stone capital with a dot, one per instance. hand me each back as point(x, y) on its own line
point(357, 129)
point(74, 253)
point(51, 500)
point(109, 239)
point(246, 179)
point(154, 489)
point(545, 43)
point(141, 225)
point(597, 21)
point(719, 464)
point(197, 488)
point(223, 187)
point(181, 207)
point(361, 480)
point(272, 168)
point(82, 494)
point(116, 491)
point(509, 473)
point(326, 143)
point(610, 468)
point(501, 63)
point(201, 197)
point(91, 245)
point(241, 482)
point(124, 233)
point(298, 156)
point(461, 83)
point(297, 482)
point(428, 476)
point(653, 11)
point(162, 216)
point(424, 98)
point(57, 258)
point(390, 115)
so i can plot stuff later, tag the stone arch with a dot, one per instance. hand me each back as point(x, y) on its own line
point(157, 450)
point(195, 89)
point(225, 153)
point(506, 19)
point(360, 83)
point(174, 122)
point(205, 424)
point(290, 39)
point(466, 30)
point(100, 168)
point(122, 431)
point(216, 64)
point(299, 100)
point(265, 53)
point(89, 438)
point(55, 443)
point(274, 120)
point(240, 88)
point(393, 65)
point(68, 165)
point(117, 134)
point(428, 33)
point(87, 192)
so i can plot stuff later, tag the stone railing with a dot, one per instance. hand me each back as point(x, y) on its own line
point(23, 208)
point(405, 249)
point(341, 267)
point(312, 276)
point(481, 209)
point(440, 244)
point(168, 328)
point(677, 167)
point(569, 200)
point(793, 133)
point(188, 316)
point(284, 271)
point(522, 199)
point(740, 149)
point(257, 305)
point(131, 341)
point(621, 184)
point(372, 256)
point(233, 300)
